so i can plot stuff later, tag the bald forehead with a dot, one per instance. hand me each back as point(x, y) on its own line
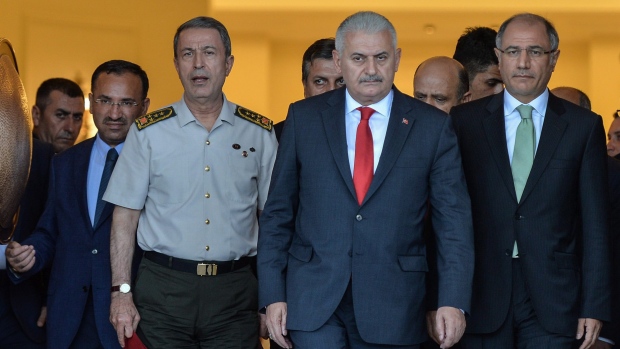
point(440, 66)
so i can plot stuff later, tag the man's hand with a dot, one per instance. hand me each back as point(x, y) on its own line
point(21, 258)
point(449, 326)
point(276, 324)
point(431, 326)
point(42, 317)
point(123, 316)
point(591, 329)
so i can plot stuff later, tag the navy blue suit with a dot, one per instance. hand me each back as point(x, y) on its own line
point(78, 252)
point(22, 303)
point(315, 238)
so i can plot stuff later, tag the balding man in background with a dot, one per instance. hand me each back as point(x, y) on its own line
point(441, 82)
point(573, 95)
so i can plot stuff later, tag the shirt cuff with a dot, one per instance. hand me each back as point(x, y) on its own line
point(2, 257)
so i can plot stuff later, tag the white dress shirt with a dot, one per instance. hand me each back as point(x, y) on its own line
point(378, 123)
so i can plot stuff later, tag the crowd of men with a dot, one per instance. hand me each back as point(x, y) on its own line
point(481, 212)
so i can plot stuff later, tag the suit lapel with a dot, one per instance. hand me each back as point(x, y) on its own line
point(395, 139)
point(495, 131)
point(335, 130)
point(552, 131)
point(80, 178)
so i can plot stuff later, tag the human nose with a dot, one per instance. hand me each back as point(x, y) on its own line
point(523, 60)
point(115, 111)
point(198, 61)
point(371, 66)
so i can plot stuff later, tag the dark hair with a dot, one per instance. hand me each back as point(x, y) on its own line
point(463, 86)
point(554, 38)
point(63, 85)
point(119, 67)
point(474, 50)
point(207, 23)
point(321, 48)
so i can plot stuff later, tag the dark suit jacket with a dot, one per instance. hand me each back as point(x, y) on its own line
point(78, 252)
point(315, 238)
point(560, 225)
point(26, 299)
point(611, 330)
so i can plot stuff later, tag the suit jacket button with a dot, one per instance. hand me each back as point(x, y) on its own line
point(519, 217)
point(508, 252)
point(358, 217)
point(94, 251)
point(84, 288)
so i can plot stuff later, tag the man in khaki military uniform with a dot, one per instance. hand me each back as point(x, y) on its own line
point(193, 175)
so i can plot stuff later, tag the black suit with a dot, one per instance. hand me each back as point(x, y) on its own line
point(560, 225)
point(611, 330)
point(24, 301)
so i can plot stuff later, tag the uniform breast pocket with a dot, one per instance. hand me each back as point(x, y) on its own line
point(243, 173)
point(170, 179)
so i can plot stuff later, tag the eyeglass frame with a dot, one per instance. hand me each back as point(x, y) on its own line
point(528, 50)
point(122, 104)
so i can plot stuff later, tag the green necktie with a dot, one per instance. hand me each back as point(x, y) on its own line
point(525, 145)
point(523, 154)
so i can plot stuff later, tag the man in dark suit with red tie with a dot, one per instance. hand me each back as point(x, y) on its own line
point(535, 166)
point(341, 252)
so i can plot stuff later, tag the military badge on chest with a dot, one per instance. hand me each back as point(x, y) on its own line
point(243, 153)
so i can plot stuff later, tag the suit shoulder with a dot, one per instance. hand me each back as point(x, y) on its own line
point(76, 150)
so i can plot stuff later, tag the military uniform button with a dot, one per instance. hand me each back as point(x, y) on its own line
point(207, 247)
point(207, 221)
point(207, 195)
point(208, 142)
point(207, 168)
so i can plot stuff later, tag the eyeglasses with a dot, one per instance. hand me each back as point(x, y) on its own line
point(533, 53)
point(127, 105)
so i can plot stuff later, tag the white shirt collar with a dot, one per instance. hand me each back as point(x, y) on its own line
point(539, 103)
point(382, 107)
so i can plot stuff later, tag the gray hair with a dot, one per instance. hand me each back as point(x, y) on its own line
point(554, 39)
point(367, 22)
point(206, 23)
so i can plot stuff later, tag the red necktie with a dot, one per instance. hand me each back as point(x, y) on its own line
point(364, 155)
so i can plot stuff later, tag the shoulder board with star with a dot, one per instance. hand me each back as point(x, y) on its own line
point(154, 117)
point(254, 118)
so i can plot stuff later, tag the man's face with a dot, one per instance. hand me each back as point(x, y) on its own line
point(113, 121)
point(526, 77)
point(202, 64)
point(613, 145)
point(323, 77)
point(60, 122)
point(437, 84)
point(368, 64)
point(486, 83)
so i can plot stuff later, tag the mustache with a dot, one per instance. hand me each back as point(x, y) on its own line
point(200, 73)
point(66, 134)
point(371, 78)
point(122, 120)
